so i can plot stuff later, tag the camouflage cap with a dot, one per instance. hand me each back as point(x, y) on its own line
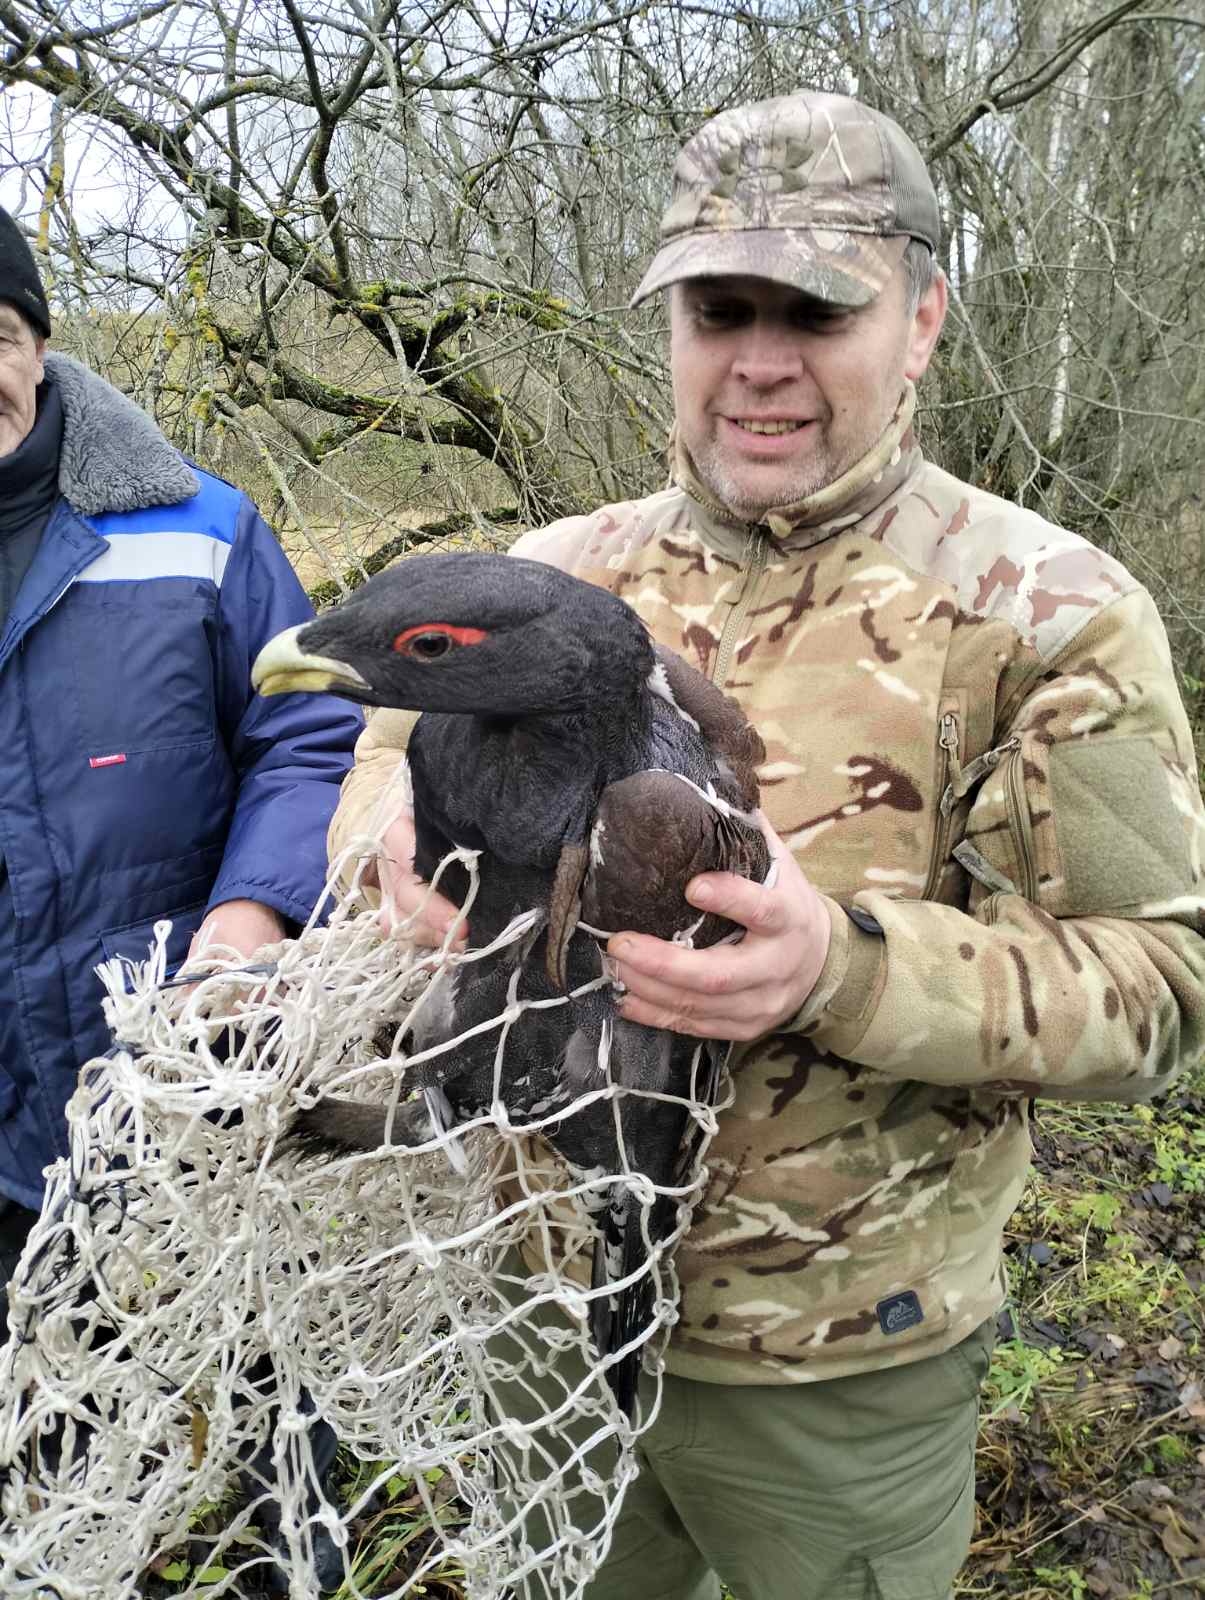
point(812, 190)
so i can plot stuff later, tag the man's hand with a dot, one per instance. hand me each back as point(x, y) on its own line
point(403, 891)
point(731, 991)
point(241, 925)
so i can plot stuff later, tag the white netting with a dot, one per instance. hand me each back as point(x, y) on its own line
point(193, 1297)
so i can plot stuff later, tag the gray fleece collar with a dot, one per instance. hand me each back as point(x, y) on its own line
point(113, 457)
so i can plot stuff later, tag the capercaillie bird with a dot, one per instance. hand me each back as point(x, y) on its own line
point(596, 774)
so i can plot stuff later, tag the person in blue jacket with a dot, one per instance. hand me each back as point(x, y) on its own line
point(141, 777)
point(142, 780)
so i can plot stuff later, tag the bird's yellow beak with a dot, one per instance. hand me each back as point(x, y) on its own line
point(281, 668)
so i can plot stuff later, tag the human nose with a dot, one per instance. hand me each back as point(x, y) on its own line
point(767, 356)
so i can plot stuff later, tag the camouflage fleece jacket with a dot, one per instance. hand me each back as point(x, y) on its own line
point(975, 746)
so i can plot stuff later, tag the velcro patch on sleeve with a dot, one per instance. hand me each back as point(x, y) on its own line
point(1119, 833)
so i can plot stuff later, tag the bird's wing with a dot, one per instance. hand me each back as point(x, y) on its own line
point(734, 743)
point(652, 833)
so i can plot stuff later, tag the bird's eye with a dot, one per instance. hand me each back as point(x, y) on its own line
point(428, 646)
point(430, 640)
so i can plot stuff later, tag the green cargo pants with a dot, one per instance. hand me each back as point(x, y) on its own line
point(857, 1488)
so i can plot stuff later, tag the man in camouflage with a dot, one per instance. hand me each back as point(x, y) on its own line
point(984, 791)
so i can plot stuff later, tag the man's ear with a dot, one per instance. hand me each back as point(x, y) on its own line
point(39, 351)
point(926, 326)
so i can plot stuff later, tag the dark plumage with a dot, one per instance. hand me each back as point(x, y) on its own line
point(554, 739)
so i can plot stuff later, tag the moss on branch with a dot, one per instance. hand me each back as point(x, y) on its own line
point(328, 593)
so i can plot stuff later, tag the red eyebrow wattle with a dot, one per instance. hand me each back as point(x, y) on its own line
point(456, 634)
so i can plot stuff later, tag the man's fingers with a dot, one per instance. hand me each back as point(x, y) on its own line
point(743, 1014)
point(730, 991)
point(761, 910)
point(681, 1019)
point(649, 966)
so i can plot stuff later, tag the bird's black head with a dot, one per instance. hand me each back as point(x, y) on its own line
point(483, 634)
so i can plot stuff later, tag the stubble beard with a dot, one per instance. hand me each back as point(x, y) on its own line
point(733, 486)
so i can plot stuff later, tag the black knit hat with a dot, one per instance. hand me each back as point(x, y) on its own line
point(20, 284)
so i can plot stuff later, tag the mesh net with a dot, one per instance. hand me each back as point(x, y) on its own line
point(198, 1307)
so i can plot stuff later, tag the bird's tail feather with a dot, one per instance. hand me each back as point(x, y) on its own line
point(617, 1320)
point(333, 1127)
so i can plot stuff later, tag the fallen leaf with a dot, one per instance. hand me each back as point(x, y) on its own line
point(1158, 1375)
point(1048, 1330)
point(1096, 1513)
point(1178, 1546)
point(1187, 1538)
point(1171, 1348)
point(1192, 1398)
point(1103, 1582)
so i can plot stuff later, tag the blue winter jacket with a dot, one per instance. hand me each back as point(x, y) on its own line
point(141, 777)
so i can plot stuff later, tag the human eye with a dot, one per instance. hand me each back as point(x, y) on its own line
point(817, 316)
point(714, 312)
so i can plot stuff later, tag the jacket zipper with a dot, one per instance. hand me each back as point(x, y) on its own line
point(20, 645)
point(1014, 781)
point(949, 771)
point(69, 584)
point(755, 556)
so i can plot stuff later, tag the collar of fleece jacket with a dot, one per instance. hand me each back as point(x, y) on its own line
point(853, 496)
point(113, 457)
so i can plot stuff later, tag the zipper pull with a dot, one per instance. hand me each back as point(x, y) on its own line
point(967, 777)
point(948, 739)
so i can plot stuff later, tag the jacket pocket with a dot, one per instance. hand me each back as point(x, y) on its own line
point(1000, 848)
point(951, 735)
point(142, 668)
point(1022, 778)
point(134, 942)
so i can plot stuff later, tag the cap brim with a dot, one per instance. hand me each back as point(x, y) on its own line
point(844, 268)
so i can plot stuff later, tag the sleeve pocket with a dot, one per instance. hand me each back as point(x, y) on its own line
point(1119, 835)
point(1080, 827)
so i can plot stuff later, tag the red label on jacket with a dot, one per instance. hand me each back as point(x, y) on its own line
point(106, 761)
